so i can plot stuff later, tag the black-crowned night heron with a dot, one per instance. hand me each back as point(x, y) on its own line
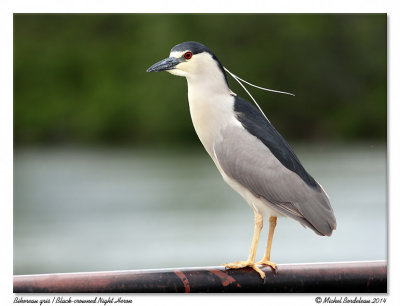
point(253, 158)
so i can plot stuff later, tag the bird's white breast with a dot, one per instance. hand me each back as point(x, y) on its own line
point(210, 113)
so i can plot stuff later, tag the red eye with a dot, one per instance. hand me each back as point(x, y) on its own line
point(188, 55)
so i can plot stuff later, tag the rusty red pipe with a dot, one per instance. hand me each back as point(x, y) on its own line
point(345, 277)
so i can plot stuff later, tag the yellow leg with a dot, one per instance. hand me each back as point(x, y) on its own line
point(258, 224)
point(266, 259)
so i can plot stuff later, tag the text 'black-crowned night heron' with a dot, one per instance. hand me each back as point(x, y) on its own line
point(253, 158)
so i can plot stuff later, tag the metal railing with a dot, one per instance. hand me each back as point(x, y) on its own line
point(342, 277)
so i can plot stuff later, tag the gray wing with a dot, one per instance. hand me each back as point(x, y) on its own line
point(248, 161)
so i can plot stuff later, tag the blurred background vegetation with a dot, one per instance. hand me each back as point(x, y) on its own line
point(81, 78)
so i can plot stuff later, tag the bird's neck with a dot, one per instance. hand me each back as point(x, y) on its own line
point(211, 104)
point(212, 82)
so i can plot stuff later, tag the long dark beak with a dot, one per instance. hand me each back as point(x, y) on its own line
point(166, 64)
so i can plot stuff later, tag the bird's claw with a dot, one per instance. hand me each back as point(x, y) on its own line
point(267, 263)
point(243, 264)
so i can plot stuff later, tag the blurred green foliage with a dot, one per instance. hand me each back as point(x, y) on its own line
point(81, 78)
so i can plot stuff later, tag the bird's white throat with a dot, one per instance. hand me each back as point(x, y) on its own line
point(210, 113)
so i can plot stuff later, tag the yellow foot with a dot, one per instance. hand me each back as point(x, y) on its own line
point(243, 264)
point(267, 263)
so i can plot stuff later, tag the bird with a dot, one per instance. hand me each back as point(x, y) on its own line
point(251, 155)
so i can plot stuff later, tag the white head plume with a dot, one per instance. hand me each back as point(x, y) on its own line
point(254, 100)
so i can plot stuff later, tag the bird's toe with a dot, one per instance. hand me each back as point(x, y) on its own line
point(267, 263)
point(237, 264)
point(244, 264)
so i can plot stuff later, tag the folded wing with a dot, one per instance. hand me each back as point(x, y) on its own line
point(247, 160)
